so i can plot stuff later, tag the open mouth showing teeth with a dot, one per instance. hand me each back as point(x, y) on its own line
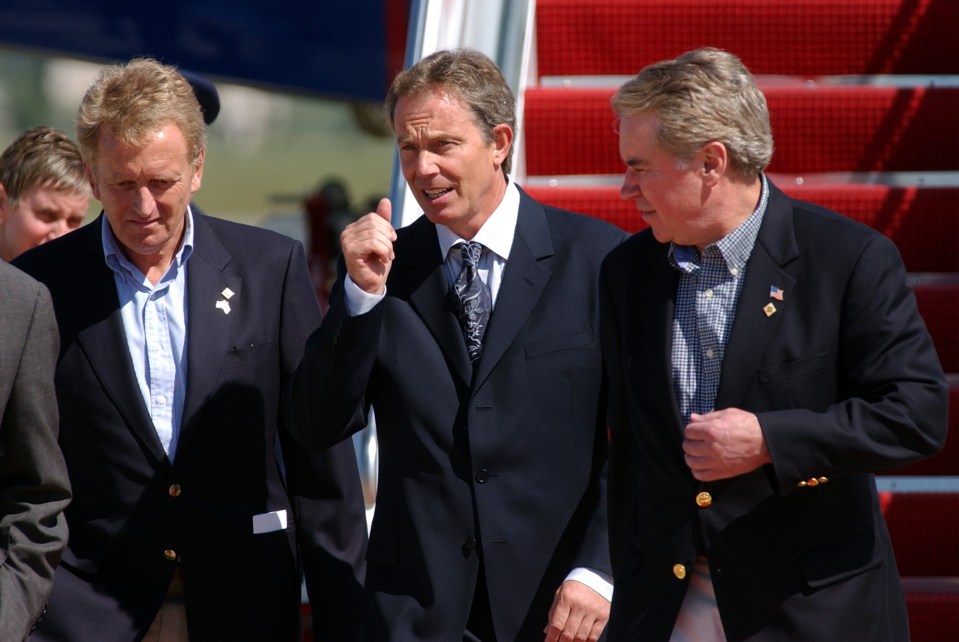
point(435, 193)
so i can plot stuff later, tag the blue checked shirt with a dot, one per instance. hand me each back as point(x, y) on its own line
point(709, 287)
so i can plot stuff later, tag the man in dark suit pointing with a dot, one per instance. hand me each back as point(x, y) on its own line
point(194, 511)
point(482, 363)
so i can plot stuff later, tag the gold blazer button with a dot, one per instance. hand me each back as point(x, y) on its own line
point(679, 571)
point(704, 500)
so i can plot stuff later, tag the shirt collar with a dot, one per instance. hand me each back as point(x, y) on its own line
point(497, 232)
point(118, 262)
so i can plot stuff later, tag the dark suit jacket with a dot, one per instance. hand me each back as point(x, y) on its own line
point(845, 381)
point(509, 461)
point(133, 508)
point(34, 488)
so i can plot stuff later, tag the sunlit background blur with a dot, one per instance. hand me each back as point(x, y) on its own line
point(267, 153)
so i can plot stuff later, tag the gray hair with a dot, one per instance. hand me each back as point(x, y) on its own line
point(701, 96)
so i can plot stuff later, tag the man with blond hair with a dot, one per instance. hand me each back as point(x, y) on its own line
point(194, 512)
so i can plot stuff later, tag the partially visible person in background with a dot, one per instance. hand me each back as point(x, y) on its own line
point(34, 488)
point(43, 191)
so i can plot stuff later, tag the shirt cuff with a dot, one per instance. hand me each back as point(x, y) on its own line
point(359, 301)
point(596, 580)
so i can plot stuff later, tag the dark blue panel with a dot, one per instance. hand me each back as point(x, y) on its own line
point(333, 48)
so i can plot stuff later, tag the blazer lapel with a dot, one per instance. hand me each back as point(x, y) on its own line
point(755, 323)
point(103, 341)
point(423, 281)
point(652, 367)
point(209, 322)
point(524, 280)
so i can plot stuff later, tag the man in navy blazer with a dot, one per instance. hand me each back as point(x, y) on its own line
point(490, 514)
point(765, 357)
point(194, 511)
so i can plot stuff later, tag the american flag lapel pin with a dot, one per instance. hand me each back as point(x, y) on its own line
point(776, 292)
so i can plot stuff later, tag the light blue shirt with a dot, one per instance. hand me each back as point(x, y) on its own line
point(154, 323)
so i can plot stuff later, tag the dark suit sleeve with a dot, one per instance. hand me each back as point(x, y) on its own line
point(891, 408)
point(325, 489)
point(34, 487)
point(327, 395)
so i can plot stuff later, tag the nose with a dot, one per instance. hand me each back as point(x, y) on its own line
point(144, 201)
point(56, 229)
point(426, 164)
point(630, 189)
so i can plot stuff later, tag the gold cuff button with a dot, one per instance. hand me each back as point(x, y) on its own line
point(170, 555)
point(704, 500)
point(175, 490)
point(812, 481)
point(679, 571)
point(823, 480)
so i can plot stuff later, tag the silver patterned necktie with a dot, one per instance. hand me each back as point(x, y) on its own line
point(473, 300)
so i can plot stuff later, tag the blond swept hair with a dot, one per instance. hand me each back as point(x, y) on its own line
point(133, 101)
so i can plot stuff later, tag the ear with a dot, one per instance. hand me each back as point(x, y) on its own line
point(91, 179)
point(715, 161)
point(198, 173)
point(4, 203)
point(502, 140)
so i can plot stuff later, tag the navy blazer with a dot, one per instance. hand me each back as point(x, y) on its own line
point(845, 381)
point(504, 466)
point(135, 515)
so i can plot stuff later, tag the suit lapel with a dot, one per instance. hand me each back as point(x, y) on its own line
point(656, 301)
point(103, 340)
point(526, 275)
point(209, 327)
point(423, 281)
point(753, 326)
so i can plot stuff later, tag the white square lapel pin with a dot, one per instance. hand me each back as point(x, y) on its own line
point(224, 303)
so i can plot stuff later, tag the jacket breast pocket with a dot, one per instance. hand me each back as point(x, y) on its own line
point(790, 370)
point(570, 341)
point(246, 353)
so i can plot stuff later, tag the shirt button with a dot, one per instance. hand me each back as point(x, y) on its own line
point(709, 293)
point(679, 571)
point(161, 400)
point(175, 490)
point(710, 353)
